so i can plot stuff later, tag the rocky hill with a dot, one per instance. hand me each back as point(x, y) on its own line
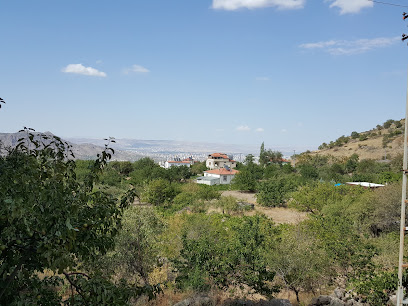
point(382, 142)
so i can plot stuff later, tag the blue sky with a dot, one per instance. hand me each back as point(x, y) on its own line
point(287, 72)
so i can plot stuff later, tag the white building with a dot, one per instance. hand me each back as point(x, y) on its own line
point(177, 163)
point(220, 160)
point(217, 176)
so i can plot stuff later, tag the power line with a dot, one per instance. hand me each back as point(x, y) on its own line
point(388, 3)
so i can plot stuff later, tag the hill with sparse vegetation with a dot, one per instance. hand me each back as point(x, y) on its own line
point(385, 141)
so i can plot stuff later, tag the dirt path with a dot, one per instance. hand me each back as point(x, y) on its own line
point(277, 214)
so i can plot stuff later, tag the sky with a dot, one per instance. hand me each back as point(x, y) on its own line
point(287, 72)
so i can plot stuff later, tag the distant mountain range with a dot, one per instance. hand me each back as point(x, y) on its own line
point(159, 150)
point(81, 151)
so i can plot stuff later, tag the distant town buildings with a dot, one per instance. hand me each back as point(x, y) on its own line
point(220, 160)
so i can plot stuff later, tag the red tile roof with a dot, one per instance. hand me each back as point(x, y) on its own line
point(222, 155)
point(222, 171)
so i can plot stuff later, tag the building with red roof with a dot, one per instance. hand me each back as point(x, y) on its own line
point(217, 176)
point(220, 160)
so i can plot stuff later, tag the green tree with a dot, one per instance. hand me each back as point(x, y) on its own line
point(245, 180)
point(301, 261)
point(387, 124)
point(263, 156)
point(198, 168)
point(223, 251)
point(275, 192)
point(159, 192)
point(49, 220)
point(355, 135)
point(249, 159)
point(352, 163)
point(137, 246)
point(179, 174)
point(308, 171)
point(228, 204)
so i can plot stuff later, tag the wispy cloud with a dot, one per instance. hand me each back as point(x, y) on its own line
point(284, 130)
point(350, 6)
point(243, 128)
point(136, 69)
point(259, 130)
point(81, 69)
point(232, 5)
point(349, 47)
point(262, 79)
point(345, 6)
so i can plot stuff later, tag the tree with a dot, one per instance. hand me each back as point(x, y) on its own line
point(308, 171)
point(263, 157)
point(352, 163)
point(179, 174)
point(355, 135)
point(300, 261)
point(198, 168)
point(145, 170)
point(228, 204)
point(159, 192)
point(249, 159)
point(245, 180)
point(387, 124)
point(136, 249)
point(226, 251)
point(51, 221)
point(275, 192)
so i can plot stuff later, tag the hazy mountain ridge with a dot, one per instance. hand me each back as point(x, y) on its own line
point(159, 150)
point(81, 151)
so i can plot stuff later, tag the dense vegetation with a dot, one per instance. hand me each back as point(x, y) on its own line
point(103, 233)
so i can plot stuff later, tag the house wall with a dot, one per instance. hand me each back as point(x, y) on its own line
point(219, 163)
point(168, 165)
point(209, 183)
point(224, 179)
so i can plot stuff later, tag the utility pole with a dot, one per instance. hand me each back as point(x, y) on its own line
point(403, 229)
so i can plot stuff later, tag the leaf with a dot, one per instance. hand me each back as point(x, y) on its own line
point(68, 224)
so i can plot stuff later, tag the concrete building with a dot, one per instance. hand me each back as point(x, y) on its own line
point(217, 176)
point(219, 161)
point(177, 162)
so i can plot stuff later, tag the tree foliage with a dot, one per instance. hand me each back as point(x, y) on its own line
point(51, 221)
point(276, 191)
point(223, 252)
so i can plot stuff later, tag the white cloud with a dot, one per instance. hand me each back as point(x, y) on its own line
point(349, 47)
point(345, 6)
point(259, 130)
point(137, 69)
point(284, 130)
point(243, 128)
point(231, 5)
point(81, 69)
point(350, 6)
point(262, 79)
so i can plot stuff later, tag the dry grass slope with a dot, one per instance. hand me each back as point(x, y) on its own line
point(371, 148)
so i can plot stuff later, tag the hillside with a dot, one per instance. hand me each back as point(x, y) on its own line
point(81, 151)
point(383, 142)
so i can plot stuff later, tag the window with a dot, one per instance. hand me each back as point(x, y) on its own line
point(224, 178)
